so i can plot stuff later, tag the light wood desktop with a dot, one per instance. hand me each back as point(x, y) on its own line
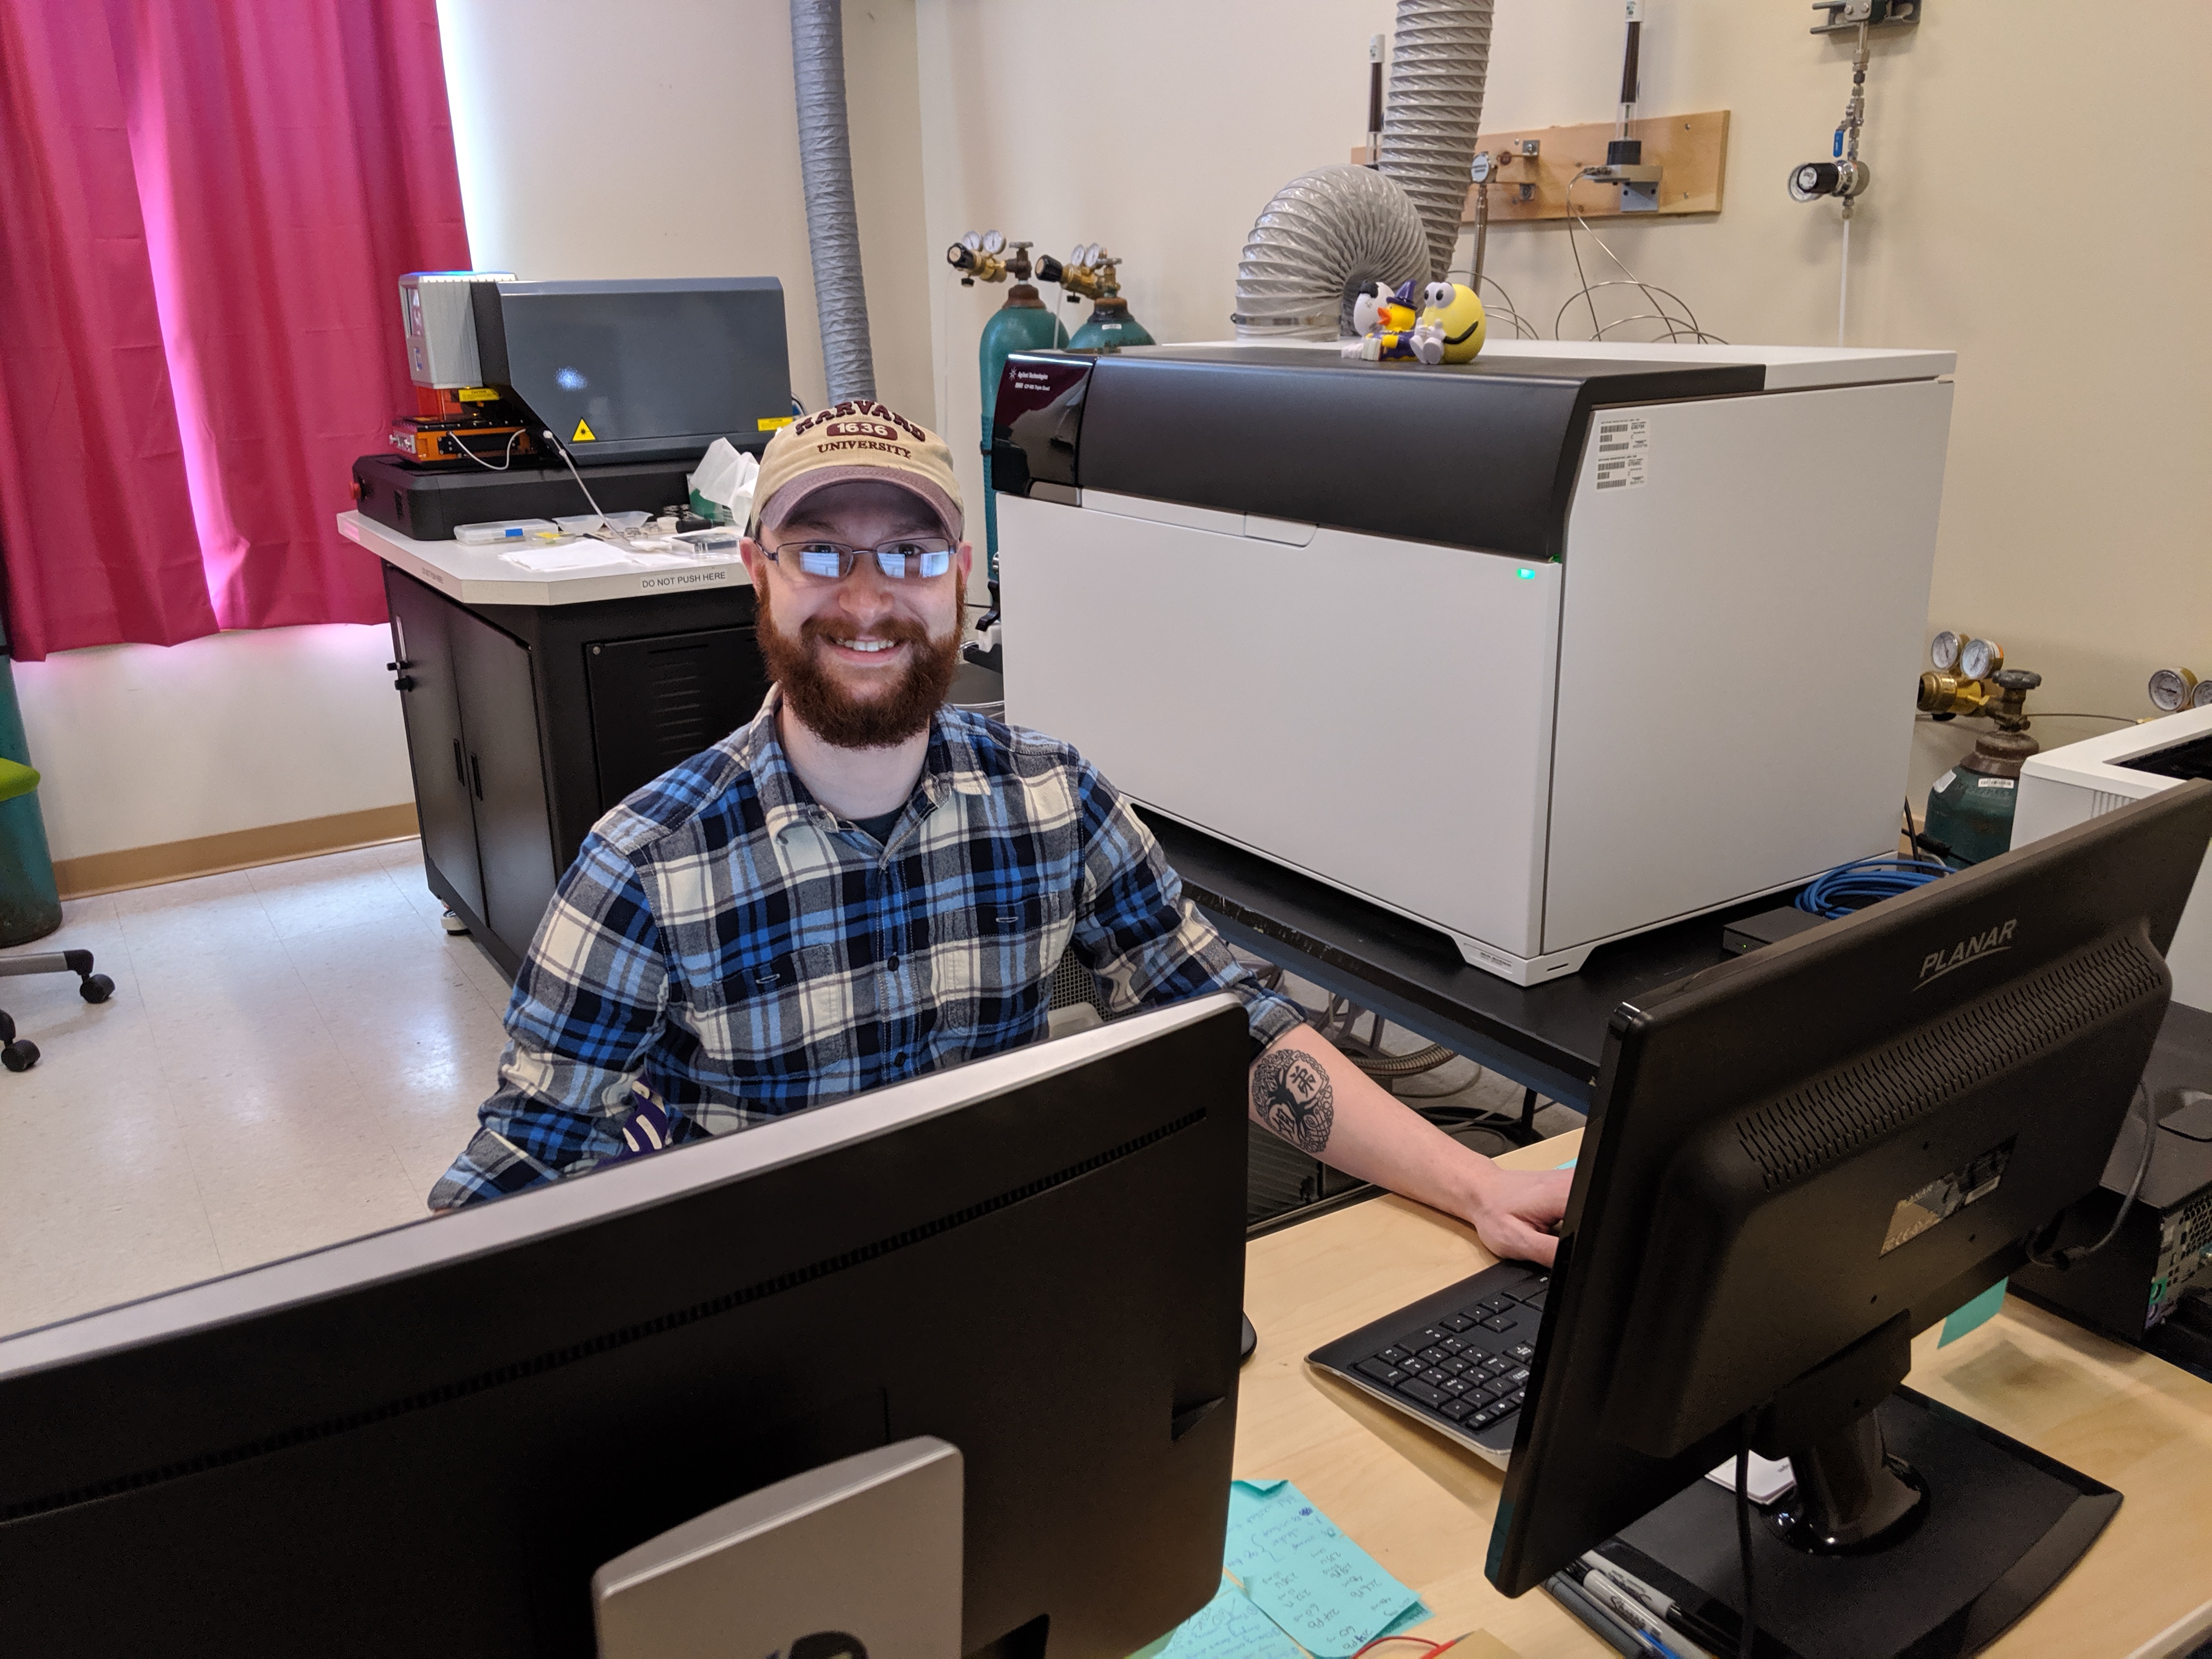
point(1423, 1507)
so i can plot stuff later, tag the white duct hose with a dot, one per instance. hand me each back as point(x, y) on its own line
point(825, 166)
point(1327, 236)
point(1438, 60)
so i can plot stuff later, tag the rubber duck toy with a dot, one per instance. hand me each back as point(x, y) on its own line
point(1385, 319)
point(1452, 327)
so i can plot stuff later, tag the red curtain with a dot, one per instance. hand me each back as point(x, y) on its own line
point(209, 202)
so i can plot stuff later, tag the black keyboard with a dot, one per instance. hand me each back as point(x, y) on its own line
point(1458, 1360)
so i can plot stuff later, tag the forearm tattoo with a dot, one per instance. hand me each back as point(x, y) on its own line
point(1292, 1096)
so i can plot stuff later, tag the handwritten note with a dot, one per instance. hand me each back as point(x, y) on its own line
point(1302, 1572)
point(1227, 1627)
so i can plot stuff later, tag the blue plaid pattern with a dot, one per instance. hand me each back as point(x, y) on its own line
point(726, 950)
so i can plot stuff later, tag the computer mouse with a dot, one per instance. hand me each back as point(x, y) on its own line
point(1247, 1339)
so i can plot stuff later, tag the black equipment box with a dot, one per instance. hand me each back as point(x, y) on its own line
point(2132, 1290)
point(427, 502)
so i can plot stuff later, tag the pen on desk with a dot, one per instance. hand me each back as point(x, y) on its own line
point(1601, 1589)
point(1566, 1590)
point(1675, 1624)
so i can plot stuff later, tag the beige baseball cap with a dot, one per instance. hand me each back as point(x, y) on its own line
point(849, 442)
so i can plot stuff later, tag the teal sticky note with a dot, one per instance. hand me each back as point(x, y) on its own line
point(1227, 1627)
point(1974, 1315)
point(1298, 1568)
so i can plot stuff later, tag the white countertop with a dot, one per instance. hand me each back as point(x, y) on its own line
point(478, 575)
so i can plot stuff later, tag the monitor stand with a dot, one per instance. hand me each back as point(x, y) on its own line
point(2001, 1524)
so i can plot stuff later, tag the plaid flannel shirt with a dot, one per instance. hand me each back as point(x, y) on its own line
point(726, 950)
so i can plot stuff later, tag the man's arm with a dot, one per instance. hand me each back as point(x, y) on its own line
point(1148, 947)
point(588, 1005)
point(1304, 1090)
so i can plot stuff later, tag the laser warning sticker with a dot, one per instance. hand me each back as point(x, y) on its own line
point(583, 433)
point(769, 422)
point(1946, 1196)
point(1624, 442)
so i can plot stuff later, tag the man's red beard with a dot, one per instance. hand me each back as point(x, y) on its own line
point(814, 695)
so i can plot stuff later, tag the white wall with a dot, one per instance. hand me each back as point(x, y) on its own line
point(662, 140)
point(2037, 173)
point(144, 743)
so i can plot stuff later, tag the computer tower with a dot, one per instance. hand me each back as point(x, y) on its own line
point(2136, 1289)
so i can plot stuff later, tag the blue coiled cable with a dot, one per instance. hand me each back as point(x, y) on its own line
point(1853, 886)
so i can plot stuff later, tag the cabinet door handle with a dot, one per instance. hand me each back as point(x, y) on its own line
point(460, 773)
point(476, 767)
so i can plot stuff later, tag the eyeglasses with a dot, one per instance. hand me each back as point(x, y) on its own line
point(909, 556)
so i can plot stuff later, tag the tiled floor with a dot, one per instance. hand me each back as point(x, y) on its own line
point(291, 1056)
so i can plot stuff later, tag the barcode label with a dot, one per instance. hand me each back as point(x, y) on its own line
point(1624, 445)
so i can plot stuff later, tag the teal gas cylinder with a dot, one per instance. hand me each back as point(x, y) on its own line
point(1024, 323)
point(1109, 325)
point(1970, 810)
point(30, 904)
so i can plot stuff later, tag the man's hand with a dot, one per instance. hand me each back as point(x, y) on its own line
point(1514, 1210)
point(1308, 1093)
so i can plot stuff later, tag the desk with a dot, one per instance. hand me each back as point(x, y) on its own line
point(535, 702)
point(1423, 1508)
point(1547, 1037)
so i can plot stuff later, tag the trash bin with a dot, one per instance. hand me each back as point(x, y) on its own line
point(30, 904)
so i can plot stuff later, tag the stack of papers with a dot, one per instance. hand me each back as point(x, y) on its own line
point(589, 553)
point(1293, 1585)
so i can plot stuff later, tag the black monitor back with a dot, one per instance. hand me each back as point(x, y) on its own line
point(427, 1440)
point(1830, 1143)
point(642, 369)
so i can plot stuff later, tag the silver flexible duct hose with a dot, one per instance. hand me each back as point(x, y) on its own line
point(825, 166)
point(1438, 61)
point(1327, 235)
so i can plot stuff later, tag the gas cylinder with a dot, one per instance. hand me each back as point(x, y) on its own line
point(1108, 325)
point(30, 906)
point(1970, 809)
point(1024, 323)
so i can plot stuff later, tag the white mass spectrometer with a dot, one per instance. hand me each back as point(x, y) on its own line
point(1543, 649)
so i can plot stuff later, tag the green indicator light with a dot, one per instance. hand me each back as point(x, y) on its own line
point(1527, 574)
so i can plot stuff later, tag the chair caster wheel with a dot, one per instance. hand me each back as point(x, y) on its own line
point(6, 1028)
point(452, 924)
point(19, 1056)
point(96, 987)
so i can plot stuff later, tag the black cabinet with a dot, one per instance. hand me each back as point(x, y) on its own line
point(524, 723)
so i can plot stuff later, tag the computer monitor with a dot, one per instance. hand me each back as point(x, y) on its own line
point(1797, 1161)
point(427, 1440)
point(643, 368)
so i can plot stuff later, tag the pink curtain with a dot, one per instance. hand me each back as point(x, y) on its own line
point(95, 519)
point(281, 162)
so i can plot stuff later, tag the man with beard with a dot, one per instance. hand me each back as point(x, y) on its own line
point(862, 886)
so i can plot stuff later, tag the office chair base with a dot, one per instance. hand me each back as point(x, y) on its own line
point(21, 1056)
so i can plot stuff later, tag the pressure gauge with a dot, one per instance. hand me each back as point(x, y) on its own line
point(1944, 652)
point(2173, 690)
point(993, 242)
point(1979, 659)
point(1090, 252)
point(2202, 697)
point(973, 241)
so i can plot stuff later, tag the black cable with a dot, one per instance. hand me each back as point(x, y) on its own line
point(605, 522)
point(1746, 1642)
point(2064, 1259)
